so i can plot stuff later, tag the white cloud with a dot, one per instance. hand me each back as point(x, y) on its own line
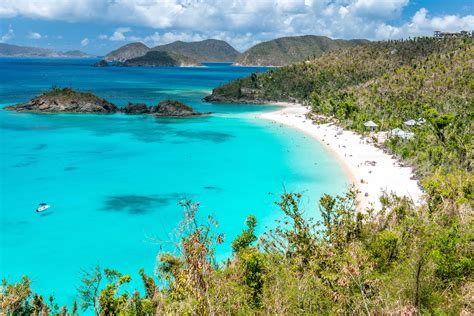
point(34, 35)
point(385, 9)
point(242, 22)
point(85, 42)
point(421, 24)
point(168, 37)
point(8, 35)
point(119, 34)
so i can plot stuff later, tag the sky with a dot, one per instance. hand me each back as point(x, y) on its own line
point(99, 26)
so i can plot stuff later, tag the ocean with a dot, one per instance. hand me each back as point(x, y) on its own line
point(114, 181)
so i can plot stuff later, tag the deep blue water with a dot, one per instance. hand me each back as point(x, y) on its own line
point(114, 181)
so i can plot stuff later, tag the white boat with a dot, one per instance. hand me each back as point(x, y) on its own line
point(42, 207)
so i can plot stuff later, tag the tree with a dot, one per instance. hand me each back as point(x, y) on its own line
point(90, 289)
point(14, 297)
point(247, 237)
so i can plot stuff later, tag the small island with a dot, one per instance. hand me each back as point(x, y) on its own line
point(65, 100)
point(102, 63)
point(173, 108)
point(165, 109)
point(160, 59)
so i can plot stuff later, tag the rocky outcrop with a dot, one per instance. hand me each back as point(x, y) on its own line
point(172, 108)
point(101, 63)
point(65, 100)
point(136, 108)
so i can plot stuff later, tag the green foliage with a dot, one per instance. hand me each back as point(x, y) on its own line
point(247, 237)
point(454, 261)
point(14, 297)
point(253, 273)
point(90, 289)
point(151, 288)
point(385, 249)
point(286, 50)
point(111, 302)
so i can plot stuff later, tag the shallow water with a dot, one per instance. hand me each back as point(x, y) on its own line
point(114, 181)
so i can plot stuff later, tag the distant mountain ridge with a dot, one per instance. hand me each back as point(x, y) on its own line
point(8, 50)
point(286, 50)
point(210, 50)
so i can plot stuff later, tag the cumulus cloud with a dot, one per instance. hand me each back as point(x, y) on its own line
point(243, 22)
point(8, 35)
point(34, 35)
point(422, 23)
point(85, 42)
point(119, 34)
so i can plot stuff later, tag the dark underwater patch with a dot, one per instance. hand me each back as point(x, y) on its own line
point(210, 187)
point(70, 168)
point(24, 164)
point(215, 137)
point(139, 204)
point(40, 147)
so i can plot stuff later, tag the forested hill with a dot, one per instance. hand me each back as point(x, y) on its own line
point(209, 50)
point(286, 50)
point(332, 71)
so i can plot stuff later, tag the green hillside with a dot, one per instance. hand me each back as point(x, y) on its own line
point(209, 50)
point(288, 50)
point(160, 59)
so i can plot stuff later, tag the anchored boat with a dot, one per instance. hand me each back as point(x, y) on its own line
point(42, 207)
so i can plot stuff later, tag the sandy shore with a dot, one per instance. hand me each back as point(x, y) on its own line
point(356, 155)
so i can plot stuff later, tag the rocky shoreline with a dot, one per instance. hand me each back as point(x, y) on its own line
point(67, 100)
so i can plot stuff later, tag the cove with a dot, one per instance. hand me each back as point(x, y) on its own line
point(115, 181)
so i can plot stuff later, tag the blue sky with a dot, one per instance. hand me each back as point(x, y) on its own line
point(98, 26)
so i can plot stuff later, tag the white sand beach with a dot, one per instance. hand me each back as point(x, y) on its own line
point(356, 155)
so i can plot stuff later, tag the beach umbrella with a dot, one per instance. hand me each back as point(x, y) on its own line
point(370, 124)
point(398, 132)
point(410, 123)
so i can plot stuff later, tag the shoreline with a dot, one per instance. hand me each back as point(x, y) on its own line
point(355, 155)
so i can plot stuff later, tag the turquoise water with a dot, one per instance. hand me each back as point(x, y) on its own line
point(114, 181)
